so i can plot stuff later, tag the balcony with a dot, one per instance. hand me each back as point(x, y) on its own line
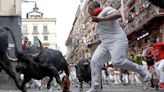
point(75, 43)
point(25, 32)
point(45, 33)
point(145, 13)
point(35, 32)
point(94, 39)
point(46, 44)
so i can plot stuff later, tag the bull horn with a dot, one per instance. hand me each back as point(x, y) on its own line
point(11, 59)
point(41, 48)
point(36, 55)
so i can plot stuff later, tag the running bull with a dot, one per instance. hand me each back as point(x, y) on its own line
point(47, 63)
point(83, 72)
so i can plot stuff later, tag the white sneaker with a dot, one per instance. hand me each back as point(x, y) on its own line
point(51, 89)
point(94, 90)
point(147, 81)
point(145, 74)
point(147, 77)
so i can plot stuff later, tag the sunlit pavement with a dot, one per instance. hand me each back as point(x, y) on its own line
point(106, 88)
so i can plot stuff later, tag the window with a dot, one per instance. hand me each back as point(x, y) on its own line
point(35, 16)
point(24, 28)
point(45, 29)
point(35, 29)
point(35, 40)
point(45, 38)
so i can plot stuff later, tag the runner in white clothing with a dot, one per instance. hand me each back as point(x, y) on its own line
point(114, 44)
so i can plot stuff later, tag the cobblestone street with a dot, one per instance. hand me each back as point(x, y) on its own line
point(116, 88)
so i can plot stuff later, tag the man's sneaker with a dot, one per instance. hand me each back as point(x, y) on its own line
point(146, 75)
point(94, 90)
point(147, 81)
point(147, 84)
point(147, 78)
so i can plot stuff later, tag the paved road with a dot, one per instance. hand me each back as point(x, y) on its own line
point(107, 88)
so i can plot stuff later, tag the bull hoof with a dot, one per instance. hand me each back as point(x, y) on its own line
point(24, 90)
point(48, 86)
point(81, 89)
point(40, 87)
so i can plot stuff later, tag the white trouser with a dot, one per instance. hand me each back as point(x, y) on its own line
point(37, 83)
point(145, 66)
point(110, 79)
point(137, 79)
point(117, 79)
point(159, 68)
point(117, 52)
point(125, 78)
point(131, 79)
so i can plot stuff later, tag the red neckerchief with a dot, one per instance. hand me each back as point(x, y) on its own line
point(97, 11)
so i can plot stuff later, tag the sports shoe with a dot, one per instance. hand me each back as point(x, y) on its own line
point(147, 81)
point(147, 85)
point(146, 75)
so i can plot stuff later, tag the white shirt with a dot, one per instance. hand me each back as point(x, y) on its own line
point(110, 31)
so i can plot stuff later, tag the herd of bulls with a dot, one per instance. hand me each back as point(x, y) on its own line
point(45, 62)
point(38, 62)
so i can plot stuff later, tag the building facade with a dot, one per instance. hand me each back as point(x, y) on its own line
point(82, 39)
point(144, 22)
point(35, 26)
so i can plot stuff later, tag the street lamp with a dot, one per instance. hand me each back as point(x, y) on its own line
point(35, 8)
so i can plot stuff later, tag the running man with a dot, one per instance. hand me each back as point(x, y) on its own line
point(114, 44)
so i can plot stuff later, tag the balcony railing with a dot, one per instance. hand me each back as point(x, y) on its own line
point(140, 17)
point(45, 33)
point(93, 39)
point(35, 32)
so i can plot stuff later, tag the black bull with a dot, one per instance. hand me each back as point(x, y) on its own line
point(45, 62)
point(48, 63)
point(83, 72)
point(4, 59)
